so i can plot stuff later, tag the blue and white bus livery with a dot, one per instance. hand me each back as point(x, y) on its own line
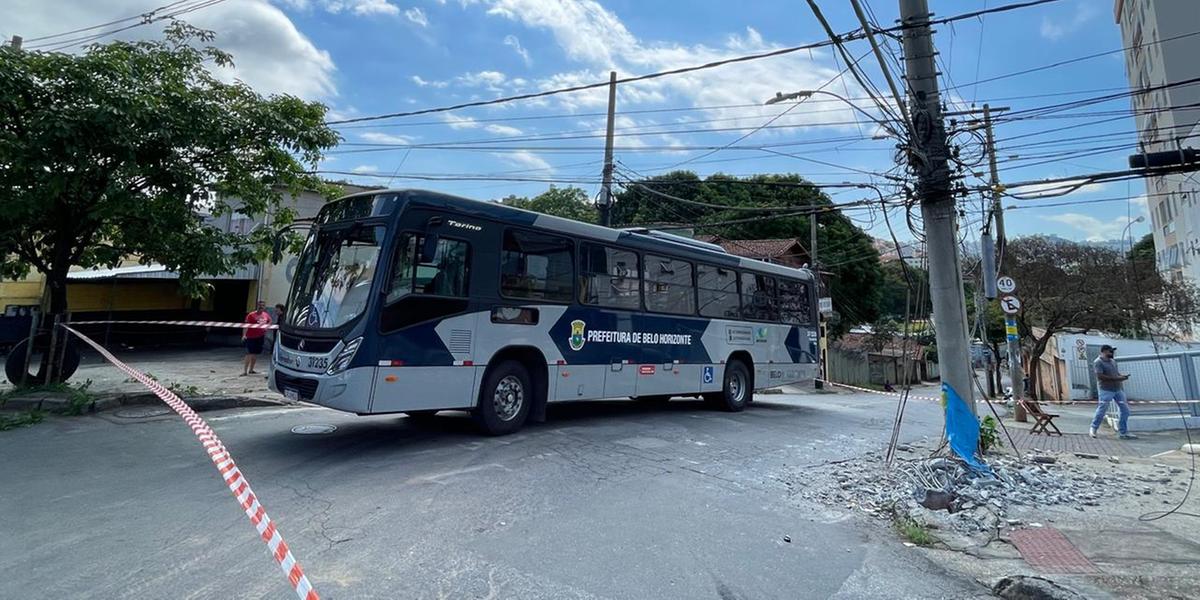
point(415, 302)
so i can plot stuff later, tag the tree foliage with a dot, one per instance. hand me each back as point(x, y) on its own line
point(119, 151)
point(846, 254)
point(568, 202)
point(1143, 250)
point(1068, 286)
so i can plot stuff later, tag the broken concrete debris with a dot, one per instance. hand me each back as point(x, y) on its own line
point(943, 493)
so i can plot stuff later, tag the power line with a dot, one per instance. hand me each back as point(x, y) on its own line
point(848, 36)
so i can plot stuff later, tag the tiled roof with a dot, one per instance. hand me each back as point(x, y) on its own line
point(762, 249)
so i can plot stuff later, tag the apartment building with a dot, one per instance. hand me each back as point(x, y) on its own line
point(1162, 41)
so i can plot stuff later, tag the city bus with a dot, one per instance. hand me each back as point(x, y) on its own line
point(408, 301)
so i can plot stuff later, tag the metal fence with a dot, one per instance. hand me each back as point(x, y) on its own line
point(1166, 376)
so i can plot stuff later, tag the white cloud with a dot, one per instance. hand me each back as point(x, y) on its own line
point(378, 137)
point(525, 158)
point(1049, 190)
point(357, 7)
point(457, 122)
point(489, 79)
point(502, 129)
point(1056, 29)
point(597, 41)
point(269, 53)
point(1093, 229)
point(360, 169)
point(423, 83)
point(515, 43)
point(416, 15)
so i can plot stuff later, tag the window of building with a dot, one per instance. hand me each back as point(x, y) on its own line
point(795, 306)
point(718, 292)
point(669, 286)
point(609, 277)
point(536, 266)
point(758, 297)
point(446, 275)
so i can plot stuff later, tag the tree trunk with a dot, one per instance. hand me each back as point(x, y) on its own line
point(996, 370)
point(56, 285)
point(1035, 360)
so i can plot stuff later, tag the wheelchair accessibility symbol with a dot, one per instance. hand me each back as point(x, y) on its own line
point(708, 374)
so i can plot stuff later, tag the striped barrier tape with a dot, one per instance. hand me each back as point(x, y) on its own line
point(894, 394)
point(187, 323)
point(229, 471)
point(1048, 403)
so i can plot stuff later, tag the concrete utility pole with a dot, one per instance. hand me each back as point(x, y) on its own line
point(606, 188)
point(1016, 379)
point(929, 158)
point(16, 42)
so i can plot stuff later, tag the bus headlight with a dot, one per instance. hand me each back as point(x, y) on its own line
point(344, 357)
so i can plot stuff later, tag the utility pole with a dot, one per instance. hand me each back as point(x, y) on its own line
point(606, 188)
point(16, 42)
point(812, 243)
point(1016, 379)
point(929, 159)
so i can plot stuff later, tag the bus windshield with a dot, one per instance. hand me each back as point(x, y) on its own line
point(334, 276)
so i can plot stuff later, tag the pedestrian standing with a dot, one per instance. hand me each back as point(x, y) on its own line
point(253, 337)
point(1111, 382)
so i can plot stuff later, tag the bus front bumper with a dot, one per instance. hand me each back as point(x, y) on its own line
point(348, 391)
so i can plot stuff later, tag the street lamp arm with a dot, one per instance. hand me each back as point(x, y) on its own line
point(803, 94)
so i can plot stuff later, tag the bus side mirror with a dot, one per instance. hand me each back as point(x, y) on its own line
point(429, 248)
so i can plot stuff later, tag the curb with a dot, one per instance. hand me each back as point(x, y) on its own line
point(58, 404)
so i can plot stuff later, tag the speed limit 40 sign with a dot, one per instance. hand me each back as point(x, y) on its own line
point(1006, 284)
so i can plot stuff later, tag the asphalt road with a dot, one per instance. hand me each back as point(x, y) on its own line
point(606, 500)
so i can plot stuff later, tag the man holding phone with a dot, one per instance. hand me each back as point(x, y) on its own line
point(1110, 381)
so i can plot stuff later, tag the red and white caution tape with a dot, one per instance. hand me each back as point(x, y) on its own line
point(1044, 402)
point(187, 323)
point(229, 472)
point(895, 394)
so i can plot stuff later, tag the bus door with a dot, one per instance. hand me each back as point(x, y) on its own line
point(427, 346)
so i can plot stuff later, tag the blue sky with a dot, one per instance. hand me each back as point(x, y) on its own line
point(366, 57)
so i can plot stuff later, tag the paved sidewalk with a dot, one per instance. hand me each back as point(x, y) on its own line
point(1074, 421)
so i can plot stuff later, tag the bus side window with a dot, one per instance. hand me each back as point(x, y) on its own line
point(795, 307)
point(669, 286)
point(718, 292)
point(446, 275)
point(758, 297)
point(536, 266)
point(608, 277)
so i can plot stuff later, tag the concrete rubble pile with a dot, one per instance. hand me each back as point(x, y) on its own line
point(943, 493)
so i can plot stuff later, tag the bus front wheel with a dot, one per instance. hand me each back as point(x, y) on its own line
point(504, 399)
point(737, 388)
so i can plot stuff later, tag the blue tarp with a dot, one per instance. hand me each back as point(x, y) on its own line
point(962, 429)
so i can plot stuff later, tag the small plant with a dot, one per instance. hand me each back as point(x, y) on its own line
point(988, 437)
point(183, 390)
point(23, 419)
point(914, 531)
point(79, 398)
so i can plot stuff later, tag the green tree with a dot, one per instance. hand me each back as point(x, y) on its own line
point(896, 300)
point(119, 151)
point(1068, 286)
point(568, 203)
point(847, 257)
point(1143, 250)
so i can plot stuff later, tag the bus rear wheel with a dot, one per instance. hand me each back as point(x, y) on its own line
point(737, 389)
point(504, 399)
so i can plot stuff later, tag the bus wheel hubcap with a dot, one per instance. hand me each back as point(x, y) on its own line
point(508, 398)
point(737, 387)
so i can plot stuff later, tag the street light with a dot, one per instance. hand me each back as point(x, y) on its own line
point(1140, 219)
point(805, 94)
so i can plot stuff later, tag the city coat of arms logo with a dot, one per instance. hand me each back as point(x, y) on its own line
point(577, 340)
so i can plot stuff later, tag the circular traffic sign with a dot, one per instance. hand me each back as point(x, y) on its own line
point(1010, 305)
point(1006, 284)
